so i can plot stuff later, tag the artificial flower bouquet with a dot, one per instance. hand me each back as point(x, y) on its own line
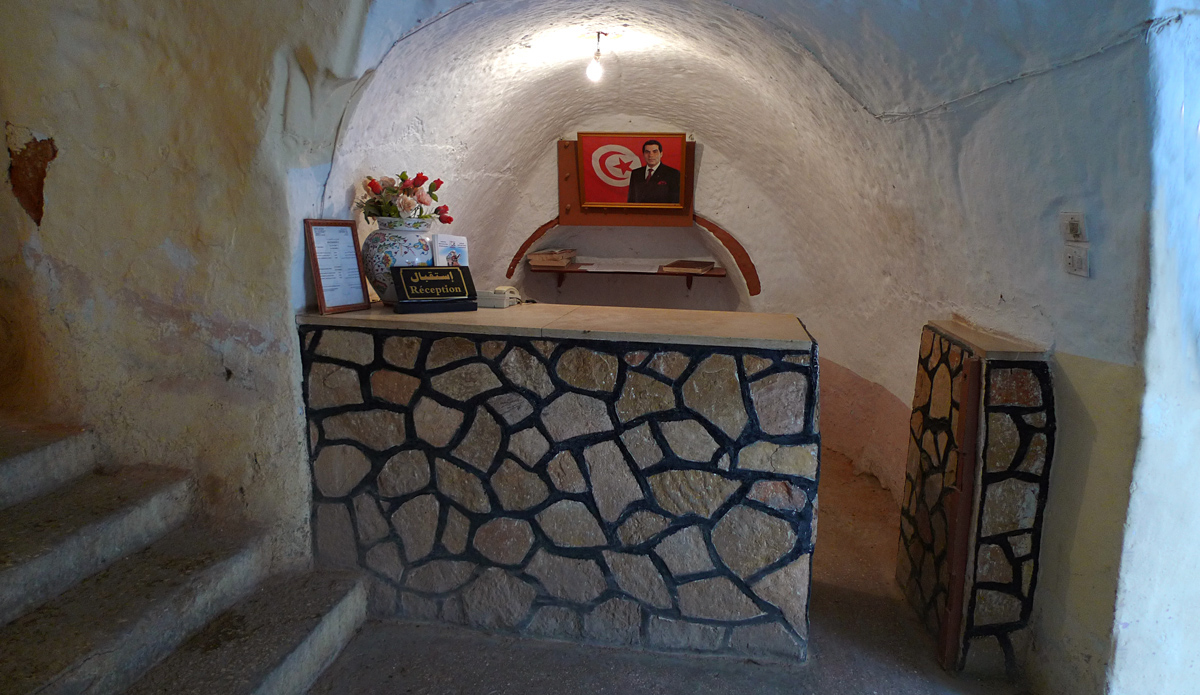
point(403, 197)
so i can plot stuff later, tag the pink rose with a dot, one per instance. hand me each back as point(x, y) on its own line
point(423, 198)
point(406, 204)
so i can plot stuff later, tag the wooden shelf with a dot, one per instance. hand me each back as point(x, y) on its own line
point(573, 268)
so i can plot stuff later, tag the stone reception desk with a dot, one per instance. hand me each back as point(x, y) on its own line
point(640, 477)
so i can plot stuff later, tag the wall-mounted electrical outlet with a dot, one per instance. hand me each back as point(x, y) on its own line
point(1076, 260)
point(1072, 227)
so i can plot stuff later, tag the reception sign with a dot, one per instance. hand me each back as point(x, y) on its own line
point(433, 289)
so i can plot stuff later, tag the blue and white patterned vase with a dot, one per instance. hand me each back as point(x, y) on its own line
point(405, 245)
point(412, 224)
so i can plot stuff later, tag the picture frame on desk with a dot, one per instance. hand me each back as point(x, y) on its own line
point(632, 171)
point(337, 267)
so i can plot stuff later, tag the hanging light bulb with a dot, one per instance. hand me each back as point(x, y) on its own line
point(594, 69)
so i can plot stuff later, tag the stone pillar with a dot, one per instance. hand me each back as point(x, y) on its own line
point(1009, 473)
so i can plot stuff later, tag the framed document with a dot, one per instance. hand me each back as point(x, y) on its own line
point(632, 170)
point(336, 265)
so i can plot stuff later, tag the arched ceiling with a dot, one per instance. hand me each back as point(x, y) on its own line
point(860, 225)
point(892, 56)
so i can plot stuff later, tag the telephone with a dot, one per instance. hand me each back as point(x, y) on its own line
point(502, 297)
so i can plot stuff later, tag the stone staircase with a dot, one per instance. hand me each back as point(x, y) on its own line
point(111, 581)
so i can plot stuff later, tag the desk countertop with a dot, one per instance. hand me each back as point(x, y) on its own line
point(672, 326)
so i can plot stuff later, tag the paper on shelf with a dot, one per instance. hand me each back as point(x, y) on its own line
point(621, 265)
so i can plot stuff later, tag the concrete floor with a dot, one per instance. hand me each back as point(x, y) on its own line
point(863, 638)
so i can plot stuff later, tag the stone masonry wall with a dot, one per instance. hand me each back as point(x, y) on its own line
point(923, 567)
point(615, 493)
point(1018, 447)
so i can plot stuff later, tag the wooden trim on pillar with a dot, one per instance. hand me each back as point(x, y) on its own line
point(960, 505)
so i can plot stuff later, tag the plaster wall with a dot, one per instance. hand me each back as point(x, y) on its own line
point(151, 303)
point(1157, 622)
point(901, 58)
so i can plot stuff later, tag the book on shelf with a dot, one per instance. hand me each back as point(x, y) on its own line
point(689, 267)
point(449, 249)
point(551, 262)
point(551, 256)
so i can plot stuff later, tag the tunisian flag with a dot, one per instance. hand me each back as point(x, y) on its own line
point(606, 160)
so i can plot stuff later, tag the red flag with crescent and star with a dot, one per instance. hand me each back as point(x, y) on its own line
point(607, 159)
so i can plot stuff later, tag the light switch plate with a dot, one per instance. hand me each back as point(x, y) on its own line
point(1072, 227)
point(1077, 261)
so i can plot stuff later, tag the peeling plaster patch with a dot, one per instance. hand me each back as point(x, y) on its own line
point(215, 330)
point(29, 157)
point(179, 256)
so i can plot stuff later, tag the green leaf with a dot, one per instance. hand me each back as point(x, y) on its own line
point(434, 196)
point(404, 176)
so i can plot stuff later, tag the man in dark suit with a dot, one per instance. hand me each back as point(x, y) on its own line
point(656, 182)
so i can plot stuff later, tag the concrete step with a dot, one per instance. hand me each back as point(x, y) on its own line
point(37, 458)
point(103, 634)
point(50, 543)
point(275, 643)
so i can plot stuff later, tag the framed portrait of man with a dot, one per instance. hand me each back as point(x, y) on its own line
point(632, 170)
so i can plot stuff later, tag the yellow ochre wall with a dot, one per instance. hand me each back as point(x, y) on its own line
point(1097, 405)
point(152, 303)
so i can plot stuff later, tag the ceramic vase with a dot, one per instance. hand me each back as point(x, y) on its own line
point(407, 245)
point(415, 224)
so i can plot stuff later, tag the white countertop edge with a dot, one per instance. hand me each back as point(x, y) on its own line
point(989, 345)
point(673, 339)
point(402, 322)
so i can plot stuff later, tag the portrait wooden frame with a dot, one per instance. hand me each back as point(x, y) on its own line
point(350, 228)
point(675, 156)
